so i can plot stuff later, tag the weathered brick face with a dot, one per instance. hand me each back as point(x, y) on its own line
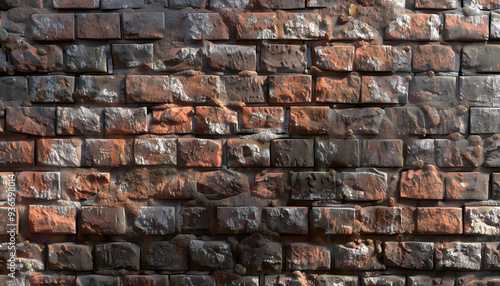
point(250, 142)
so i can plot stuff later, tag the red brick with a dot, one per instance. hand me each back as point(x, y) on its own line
point(109, 152)
point(426, 183)
point(439, 220)
point(236, 220)
point(194, 219)
point(248, 153)
point(332, 220)
point(466, 28)
point(414, 27)
point(39, 185)
point(382, 58)
point(28, 58)
point(98, 26)
point(197, 23)
point(366, 185)
point(382, 153)
point(59, 152)
point(40, 279)
point(210, 120)
point(306, 256)
point(17, 153)
point(76, 4)
point(467, 186)
point(119, 120)
point(194, 152)
point(380, 220)
point(257, 26)
point(40, 121)
point(177, 187)
point(305, 26)
point(384, 89)
point(80, 121)
point(334, 58)
point(53, 88)
point(309, 120)
point(155, 151)
point(286, 220)
point(195, 89)
point(52, 219)
point(269, 185)
point(103, 220)
point(338, 89)
point(103, 89)
point(285, 89)
point(436, 4)
point(263, 118)
point(143, 25)
point(148, 89)
point(53, 27)
point(221, 184)
point(353, 30)
point(292, 153)
point(433, 58)
point(149, 280)
point(70, 256)
point(82, 184)
point(8, 223)
point(169, 118)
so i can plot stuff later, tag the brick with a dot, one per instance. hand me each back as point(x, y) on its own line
point(121, 4)
point(79, 121)
point(495, 26)
point(353, 30)
point(103, 220)
point(466, 28)
point(309, 120)
point(7, 179)
point(336, 152)
point(362, 185)
point(206, 26)
point(229, 4)
point(483, 120)
point(223, 183)
point(255, 119)
point(245, 280)
point(432, 89)
point(247, 89)
point(491, 256)
point(70, 256)
point(414, 27)
point(164, 255)
point(82, 58)
point(361, 256)
point(98, 26)
point(59, 152)
point(155, 151)
point(305, 26)
point(194, 219)
point(201, 280)
point(495, 186)
point(384, 89)
point(278, 58)
point(382, 58)
point(8, 223)
point(481, 220)
point(439, 220)
point(210, 255)
point(436, 5)
point(426, 183)
point(358, 120)
point(406, 121)
point(248, 153)
point(155, 220)
point(171, 119)
point(81, 184)
point(420, 280)
point(143, 25)
point(39, 279)
point(380, 220)
point(196, 89)
point(459, 256)
point(17, 153)
point(104, 89)
point(21, 3)
point(39, 185)
point(286, 220)
point(409, 254)
point(475, 59)
point(334, 58)
point(128, 56)
point(392, 280)
point(52, 219)
point(476, 279)
point(461, 153)
point(446, 120)
point(148, 89)
point(53, 27)
point(119, 120)
point(292, 153)
point(262, 255)
point(236, 220)
point(39, 121)
point(340, 280)
point(82, 280)
point(433, 58)
point(176, 187)
point(482, 4)
point(194, 152)
point(285, 89)
point(491, 151)
point(27, 58)
point(467, 186)
point(108, 152)
point(52, 88)
point(72, 4)
point(117, 255)
point(285, 4)
point(332, 220)
point(15, 91)
point(232, 58)
point(306, 256)
point(152, 280)
point(382, 153)
point(269, 185)
point(256, 26)
point(312, 185)
point(209, 120)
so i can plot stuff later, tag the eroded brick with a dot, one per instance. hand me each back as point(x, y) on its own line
point(235, 220)
point(309, 120)
point(53, 88)
point(248, 153)
point(104, 89)
point(381, 220)
point(38, 121)
point(213, 255)
point(409, 254)
point(382, 58)
point(117, 255)
point(155, 220)
point(263, 118)
point(232, 58)
point(414, 27)
point(80, 121)
point(467, 186)
point(143, 25)
point(481, 220)
point(70, 256)
point(103, 220)
point(432, 89)
point(206, 26)
point(256, 26)
point(382, 153)
point(425, 183)
point(165, 255)
point(307, 256)
point(170, 118)
point(155, 151)
point(459, 256)
point(285, 89)
point(286, 220)
point(109, 152)
point(334, 58)
point(292, 153)
point(210, 120)
point(336, 152)
point(332, 220)
point(439, 220)
point(98, 26)
point(461, 153)
point(194, 152)
point(59, 152)
point(82, 184)
point(384, 89)
point(361, 256)
point(362, 185)
point(466, 28)
point(39, 185)
point(283, 58)
point(312, 185)
point(338, 89)
point(119, 120)
point(129, 56)
point(83, 58)
point(53, 27)
point(484, 120)
point(221, 184)
point(17, 153)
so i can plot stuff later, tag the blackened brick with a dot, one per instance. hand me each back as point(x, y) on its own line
point(410, 254)
point(98, 26)
point(232, 58)
point(213, 255)
point(381, 220)
point(312, 185)
point(52, 88)
point(484, 120)
point(121, 4)
point(337, 152)
point(362, 185)
point(359, 120)
point(165, 255)
point(117, 255)
point(103, 220)
point(292, 153)
point(104, 89)
point(72, 4)
point(478, 59)
point(70, 256)
point(53, 27)
point(17, 153)
point(128, 56)
point(332, 220)
point(222, 184)
point(151, 280)
point(306, 256)
point(430, 89)
point(287, 220)
point(235, 220)
point(155, 220)
point(82, 58)
point(262, 255)
point(461, 153)
point(143, 25)
point(201, 280)
point(361, 256)
point(194, 219)
point(382, 153)
point(283, 58)
point(459, 256)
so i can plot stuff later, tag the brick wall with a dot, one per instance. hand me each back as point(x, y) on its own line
point(250, 142)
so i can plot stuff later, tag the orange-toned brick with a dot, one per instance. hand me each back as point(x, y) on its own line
point(52, 219)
